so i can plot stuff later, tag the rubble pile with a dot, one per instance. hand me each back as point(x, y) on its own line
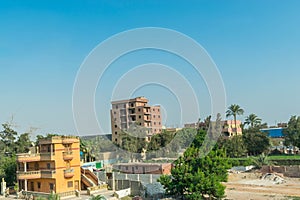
point(273, 178)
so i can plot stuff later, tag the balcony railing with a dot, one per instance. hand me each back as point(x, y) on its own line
point(28, 157)
point(69, 173)
point(68, 155)
point(36, 174)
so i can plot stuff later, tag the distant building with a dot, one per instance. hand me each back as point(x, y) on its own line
point(191, 125)
point(125, 113)
point(232, 128)
point(273, 132)
point(53, 167)
point(228, 129)
point(144, 168)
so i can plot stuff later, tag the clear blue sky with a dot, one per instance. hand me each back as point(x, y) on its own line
point(255, 44)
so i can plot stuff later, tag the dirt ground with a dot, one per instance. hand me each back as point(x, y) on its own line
point(255, 186)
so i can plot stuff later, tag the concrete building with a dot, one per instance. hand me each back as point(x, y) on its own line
point(144, 168)
point(54, 166)
point(136, 111)
point(229, 128)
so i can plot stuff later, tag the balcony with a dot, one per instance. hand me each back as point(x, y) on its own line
point(48, 174)
point(68, 155)
point(69, 140)
point(28, 157)
point(69, 173)
point(29, 175)
point(36, 174)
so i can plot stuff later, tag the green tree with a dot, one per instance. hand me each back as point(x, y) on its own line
point(23, 143)
point(256, 142)
point(8, 136)
point(8, 168)
point(252, 120)
point(292, 132)
point(234, 146)
point(234, 110)
point(195, 176)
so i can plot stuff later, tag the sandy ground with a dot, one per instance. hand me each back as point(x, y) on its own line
point(252, 186)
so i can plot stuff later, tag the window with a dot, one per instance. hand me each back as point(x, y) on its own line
point(116, 140)
point(136, 167)
point(117, 107)
point(140, 116)
point(159, 123)
point(116, 126)
point(49, 148)
point(48, 165)
point(39, 185)
point(116, 132)
point(158, 116)
point(126, 168)
point(32, 186)
point(70, 184)
point(115, 112)
point(51, 186)
point(153, 116)
point(158, 110)
point(139, 110)
point(153, 109)
point(154, 123)
point(36, 166)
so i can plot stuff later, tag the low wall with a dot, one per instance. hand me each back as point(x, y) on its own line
point(288, 171)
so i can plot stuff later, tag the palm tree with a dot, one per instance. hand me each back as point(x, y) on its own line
point(234, 110)
point(252, 120)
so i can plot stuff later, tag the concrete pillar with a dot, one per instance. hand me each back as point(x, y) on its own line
point(113, 181)
point(151, 178)
point(25, 181)
point(3, 187)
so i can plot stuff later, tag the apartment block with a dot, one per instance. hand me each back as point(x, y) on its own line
point(53, 166)
point(232, 128)
point(136, 111)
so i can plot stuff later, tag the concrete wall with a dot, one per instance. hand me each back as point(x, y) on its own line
point(289, 171)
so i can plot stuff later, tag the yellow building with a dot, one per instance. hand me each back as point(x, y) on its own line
point(53, 167)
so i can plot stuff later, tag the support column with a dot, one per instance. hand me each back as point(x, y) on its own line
point(25, 181)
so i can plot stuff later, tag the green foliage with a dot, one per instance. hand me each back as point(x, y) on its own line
point(252, 120)
point(98, 197)
point(235, 146)
point(7, 136)
point(23, 143)
point(292, 132)
point(53, 196)
point(195, 176)
point(234, 110)
point(10, 145)
point(261, 160)
point(256, 142)
point(8, 168)
point(160, 140)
